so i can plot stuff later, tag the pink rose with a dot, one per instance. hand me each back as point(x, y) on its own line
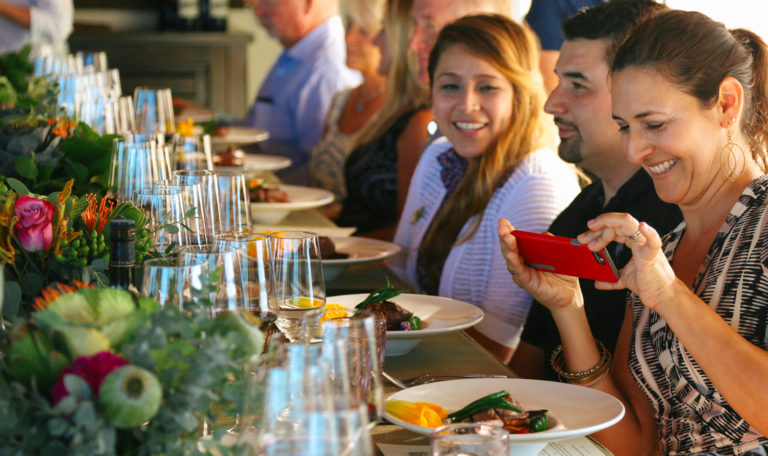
point(34, 228)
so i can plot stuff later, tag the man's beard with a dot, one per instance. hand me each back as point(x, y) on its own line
point(570, 150)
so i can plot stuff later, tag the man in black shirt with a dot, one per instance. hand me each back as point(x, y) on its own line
point(581, 105)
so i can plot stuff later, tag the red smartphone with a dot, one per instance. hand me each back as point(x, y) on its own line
point(563, 255)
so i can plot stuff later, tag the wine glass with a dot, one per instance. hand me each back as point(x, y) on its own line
point(297, 281)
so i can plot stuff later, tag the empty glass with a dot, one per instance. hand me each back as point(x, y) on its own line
point(192, 152)
point(169, 283)
point(164, 208)
point(231, 293)
point(234, 202)
point(253, 248)
point(136, 163)
point(350, 346)
point(469, 439)
point(154, 111)
point(297, 278)
point(209, 189)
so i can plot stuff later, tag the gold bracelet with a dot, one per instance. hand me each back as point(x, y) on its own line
point(593, 375)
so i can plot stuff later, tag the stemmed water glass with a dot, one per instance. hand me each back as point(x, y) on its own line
point(297, 280)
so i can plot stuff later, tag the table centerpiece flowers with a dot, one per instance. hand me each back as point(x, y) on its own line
point(100, 372)
point(57, 240)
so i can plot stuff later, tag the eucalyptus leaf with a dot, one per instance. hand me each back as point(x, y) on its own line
point(32, 282)
point(11, 298)
point(99, 264)
point(25, 165)
point(57, 426)
point(17, 186)
point(76, 386)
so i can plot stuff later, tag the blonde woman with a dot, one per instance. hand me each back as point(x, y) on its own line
point(379, 169)
point(495, 161)
point(351, 109)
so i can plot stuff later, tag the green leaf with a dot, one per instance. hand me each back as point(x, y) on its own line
point(26, 166)
point(32, 283)
point(99, 264)
point(11, 298)
point(76, 386)
point(53, 198)
point(57, 426)
point(17, 186)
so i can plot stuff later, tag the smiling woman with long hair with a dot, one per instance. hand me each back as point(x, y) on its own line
point(495, 161)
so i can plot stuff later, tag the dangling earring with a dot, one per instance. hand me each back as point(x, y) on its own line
point(729, 162)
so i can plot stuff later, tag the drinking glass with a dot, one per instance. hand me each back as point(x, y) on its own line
point(290, 409)
point(136, 163)
point(231, 294)
point(297, 278)
point(154, 111)
point(125, 119)
point(209, 189)
point(253, 248)
point(469, 439)
point(196, 224)
point(169, 283)
point(234, 202)
point(164, 209)
point(350, 345)
point(192, 152)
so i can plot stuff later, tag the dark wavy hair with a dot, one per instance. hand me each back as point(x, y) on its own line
point(695, 53)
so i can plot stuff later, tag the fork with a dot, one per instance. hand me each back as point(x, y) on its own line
point(429, 378)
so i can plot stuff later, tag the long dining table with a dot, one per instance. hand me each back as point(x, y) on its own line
point(454, 353)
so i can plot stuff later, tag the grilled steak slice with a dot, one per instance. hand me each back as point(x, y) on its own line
point(392, 312)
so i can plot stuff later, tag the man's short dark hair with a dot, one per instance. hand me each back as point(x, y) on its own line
point(612, 20)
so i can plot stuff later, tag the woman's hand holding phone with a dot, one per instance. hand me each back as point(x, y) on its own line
point(555, 291)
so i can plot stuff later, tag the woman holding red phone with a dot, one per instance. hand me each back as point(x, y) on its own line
point(495, 160)
point(691, 101)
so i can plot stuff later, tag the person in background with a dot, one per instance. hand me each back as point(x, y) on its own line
point(379, 169)
point(41, 23)
point(294, 98)
point(545, 17)
point(429, 17)
point(581, 106)
point(351, 109)
point(494, 161)
point(690, 98)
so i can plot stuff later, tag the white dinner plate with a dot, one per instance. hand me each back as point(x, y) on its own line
point(236, 135)
point(439, 315)
point(262, 162)
point(577, 410)
point(360, 250)
point(299, 198)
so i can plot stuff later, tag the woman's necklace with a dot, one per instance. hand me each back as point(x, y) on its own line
point(361, 102)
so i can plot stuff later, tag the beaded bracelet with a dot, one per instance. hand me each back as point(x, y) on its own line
point(589, 377)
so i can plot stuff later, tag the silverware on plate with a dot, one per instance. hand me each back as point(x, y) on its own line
point(429, 378)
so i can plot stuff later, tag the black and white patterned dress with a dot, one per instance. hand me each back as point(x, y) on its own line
point(693, 417)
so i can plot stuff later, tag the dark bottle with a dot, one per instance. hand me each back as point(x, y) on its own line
point(213, 15)
point(179, 15)
point(122, 254)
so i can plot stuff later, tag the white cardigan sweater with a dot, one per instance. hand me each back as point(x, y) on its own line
point(541, 186)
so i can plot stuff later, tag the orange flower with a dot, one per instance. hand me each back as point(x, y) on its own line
point(53, 292)
point(62, 127)
point(98, 212)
